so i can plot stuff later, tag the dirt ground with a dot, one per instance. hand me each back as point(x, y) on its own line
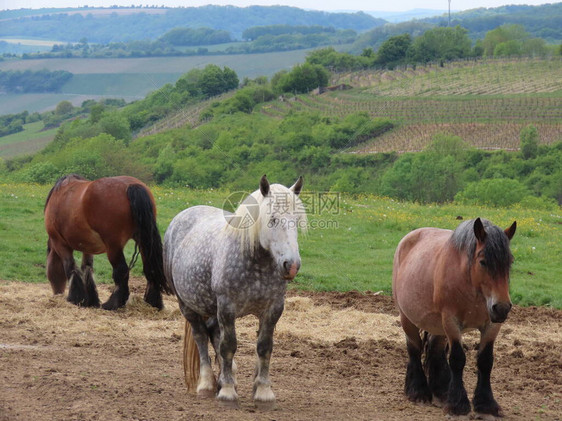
point(336, 356)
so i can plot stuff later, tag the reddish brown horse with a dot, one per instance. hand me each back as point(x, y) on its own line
point(445, 283)
point(96, 217)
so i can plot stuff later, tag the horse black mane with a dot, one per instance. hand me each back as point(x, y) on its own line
point(496, 250)
point(59, 182)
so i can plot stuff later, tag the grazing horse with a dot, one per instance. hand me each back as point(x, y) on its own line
point(445, 283)
point(96, 217)
point(223, 266)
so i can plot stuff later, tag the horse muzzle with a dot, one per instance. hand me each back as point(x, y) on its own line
point(290, 269)
point(499, 312)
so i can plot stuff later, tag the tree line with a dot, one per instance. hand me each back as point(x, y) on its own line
point(28, 81)
point(174, 43)
point(142, 26)
point(437, 45)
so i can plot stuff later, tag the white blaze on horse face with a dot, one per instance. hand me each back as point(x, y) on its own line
point(279, 235)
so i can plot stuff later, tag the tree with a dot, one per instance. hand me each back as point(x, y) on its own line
point(303, 78)
point(63, 108)
point(503, 34)
point(393, 50)
point(441, 44)
point(215, 81)
point(529, 142)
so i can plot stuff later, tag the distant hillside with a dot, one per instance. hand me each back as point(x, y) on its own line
point(116, 25)
point(539, 21)
point(395, 17)
point(543, 21)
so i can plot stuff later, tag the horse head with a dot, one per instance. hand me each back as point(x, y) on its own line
point(281, 215)
point(490, 267)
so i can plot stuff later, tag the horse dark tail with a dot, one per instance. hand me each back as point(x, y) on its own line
point(149, 242)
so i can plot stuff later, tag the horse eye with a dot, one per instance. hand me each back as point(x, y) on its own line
point(483, 263)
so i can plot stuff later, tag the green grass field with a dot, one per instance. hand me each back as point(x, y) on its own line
point(349, 245)
point(30, 140)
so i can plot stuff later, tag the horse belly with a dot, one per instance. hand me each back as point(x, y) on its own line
point(413, 278)
point(193, 287)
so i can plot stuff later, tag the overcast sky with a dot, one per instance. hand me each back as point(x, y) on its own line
point(329, 5)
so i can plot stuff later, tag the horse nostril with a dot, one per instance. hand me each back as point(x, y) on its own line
point(287, 265)
point(495, 308)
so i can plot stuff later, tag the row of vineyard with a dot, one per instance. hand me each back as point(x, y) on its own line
point(487, 136)
point(526, 108)
point(489, 77)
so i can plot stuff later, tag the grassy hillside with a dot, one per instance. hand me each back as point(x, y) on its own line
point(349, 245)
point(487, 103)
point(32, 139)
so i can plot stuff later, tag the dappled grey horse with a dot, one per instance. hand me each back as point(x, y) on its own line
point(223, 266)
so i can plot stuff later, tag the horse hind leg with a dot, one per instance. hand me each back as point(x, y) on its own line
point(415, 387)
point(227, 395)
point(120, 295)
point(214, 332)
point(436, 366)
point(205, 379)
point(89, 284)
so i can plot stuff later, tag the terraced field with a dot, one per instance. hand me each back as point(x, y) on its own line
point(450, 99)
point(483, 77)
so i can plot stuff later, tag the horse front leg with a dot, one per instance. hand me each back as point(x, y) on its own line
point(227, 348)
point(415, 386)
point(436, 367)
point(77, 293)
point(55, 271)
point(484, 402)
point(120, 295)
point(264, 398)
point(457, 401)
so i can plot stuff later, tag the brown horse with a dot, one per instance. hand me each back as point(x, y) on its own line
point(96, 217)
point(445, 283)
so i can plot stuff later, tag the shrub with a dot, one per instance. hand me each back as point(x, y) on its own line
point(529, 138)
point(493, 192)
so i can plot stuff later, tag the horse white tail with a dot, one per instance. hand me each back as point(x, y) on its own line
point(190, 359)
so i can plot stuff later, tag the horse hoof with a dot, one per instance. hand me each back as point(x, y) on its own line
point(229, 404)
point(457, 417)
point(265, 405)
point(109, 306)
point(206, 394)
point(154, 298)
point(486, 417)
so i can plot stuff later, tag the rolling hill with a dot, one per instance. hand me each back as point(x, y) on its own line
point(486, 103)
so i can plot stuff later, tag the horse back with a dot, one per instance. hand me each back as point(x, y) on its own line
point(107, 209)
point(190, 247)
point(91, 216)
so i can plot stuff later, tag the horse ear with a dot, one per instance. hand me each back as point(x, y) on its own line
point(264, 186)
point(510, 232)
point(479, 230)
point(297, 187)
